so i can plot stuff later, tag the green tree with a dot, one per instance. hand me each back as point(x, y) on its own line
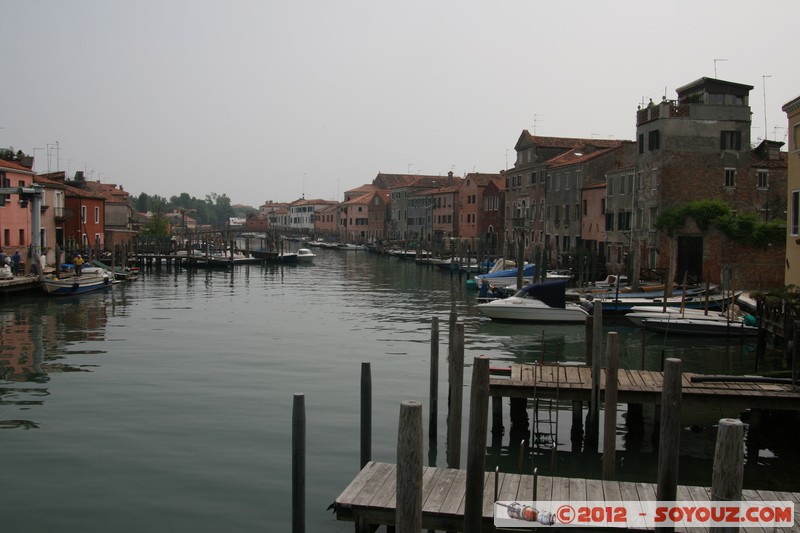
point(157, 225)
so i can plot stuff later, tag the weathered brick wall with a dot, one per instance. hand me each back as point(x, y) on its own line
point(754, 267)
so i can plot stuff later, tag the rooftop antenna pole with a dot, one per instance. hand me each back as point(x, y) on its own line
point(715, 65)
point(764, 86)
point(535, 115)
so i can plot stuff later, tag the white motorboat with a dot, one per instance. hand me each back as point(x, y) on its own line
point(539, 302)
point(693, 326)
point(639, 313)
point(304, 255)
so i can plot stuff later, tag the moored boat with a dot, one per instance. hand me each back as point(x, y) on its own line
point(539, 302)
point(304, 255)
point(700, 327)
point(91, 281)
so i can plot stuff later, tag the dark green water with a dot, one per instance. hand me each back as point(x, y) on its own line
point(165, 404)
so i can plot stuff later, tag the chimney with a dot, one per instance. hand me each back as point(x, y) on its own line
point(26, 161)
point(79, 176)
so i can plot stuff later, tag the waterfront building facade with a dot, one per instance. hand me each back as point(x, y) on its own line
point(792, 274)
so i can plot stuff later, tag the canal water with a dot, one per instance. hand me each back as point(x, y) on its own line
point(165, 404)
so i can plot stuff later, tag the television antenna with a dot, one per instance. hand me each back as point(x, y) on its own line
point(715, 65)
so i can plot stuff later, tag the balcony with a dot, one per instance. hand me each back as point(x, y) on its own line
point(520, 223)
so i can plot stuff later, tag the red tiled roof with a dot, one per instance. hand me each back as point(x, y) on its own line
point(576, 156)
point(10, 165)
point(526, 139)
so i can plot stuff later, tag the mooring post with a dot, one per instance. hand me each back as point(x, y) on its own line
point(497, 415)
point(366, 413)
point(610, 419)
point(593, 426)
point(589, 335)
point(728, 469)
point(455, 395)
point(409, 468)
point(670, 432)
point(299, 463)
point(476, 444)
point(433, 408)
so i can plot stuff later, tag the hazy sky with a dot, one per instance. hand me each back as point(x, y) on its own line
point(266, 100)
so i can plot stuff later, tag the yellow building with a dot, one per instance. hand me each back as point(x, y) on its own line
point(792, 110)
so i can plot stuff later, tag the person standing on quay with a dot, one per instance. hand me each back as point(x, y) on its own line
point(15, 263)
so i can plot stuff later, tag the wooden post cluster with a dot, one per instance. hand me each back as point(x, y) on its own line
point(409, 468)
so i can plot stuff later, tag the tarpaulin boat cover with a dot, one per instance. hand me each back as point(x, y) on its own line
point(553, 293)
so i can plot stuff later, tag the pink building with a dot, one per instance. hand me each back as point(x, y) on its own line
point(15, 215)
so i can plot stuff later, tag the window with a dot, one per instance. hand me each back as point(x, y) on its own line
point(795, 214)
point(762, 179)
point(653, 216)
point(566, 213)
point(730, 140)
point(96, 215)
point(609, 221)
point(585, 207)
point(602, 206)
point(641, 143)
point(610, 187)
point(83, 214)
point(653, 140)
point(730, 177)
point(22, 237)
point(795, 137)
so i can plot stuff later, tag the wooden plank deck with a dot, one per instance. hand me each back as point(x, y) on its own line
point(370, 497)
point(638, 386)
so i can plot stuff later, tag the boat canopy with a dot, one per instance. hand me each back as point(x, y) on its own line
point(553, 293)
point(528, 272)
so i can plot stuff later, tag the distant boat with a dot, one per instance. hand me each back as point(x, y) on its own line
point(76, 284)
point(121, 273)
point(304, 255)
point(539, 302)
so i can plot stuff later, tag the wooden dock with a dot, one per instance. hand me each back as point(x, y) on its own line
point(369, 500)
point(572, 382)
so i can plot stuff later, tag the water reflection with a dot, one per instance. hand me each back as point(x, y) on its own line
point(38, 337)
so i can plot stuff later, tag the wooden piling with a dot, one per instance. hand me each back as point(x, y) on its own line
point(589, 337)
point(670, 432)
point(455, 375)
point(497, 415)
point(366, 413)
point(728, 469)
point(299, 463)
point(610, 419)
point(593, 426)
point(476, 445)
point(409, 468)
point(433, 408)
